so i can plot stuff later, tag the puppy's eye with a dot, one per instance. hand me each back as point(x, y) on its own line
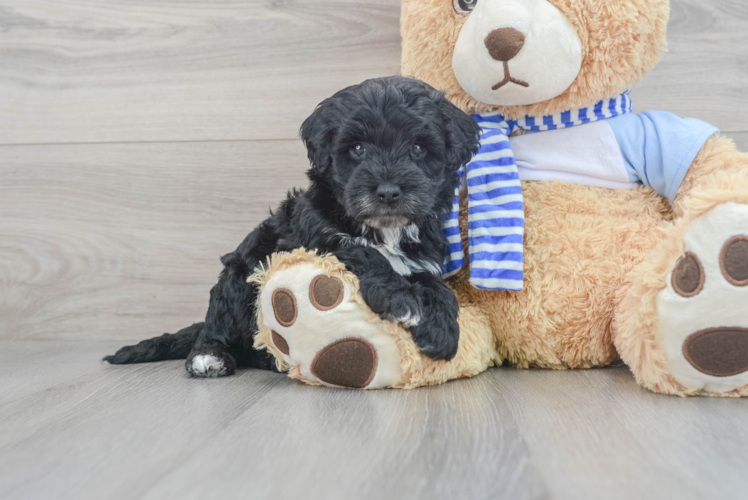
point(417, 151)
point(358, 151)
point(464, 7)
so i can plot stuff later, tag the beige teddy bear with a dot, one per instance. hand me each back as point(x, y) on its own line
point(634, 243)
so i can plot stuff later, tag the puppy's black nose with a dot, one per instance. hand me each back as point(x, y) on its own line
point(388, 193)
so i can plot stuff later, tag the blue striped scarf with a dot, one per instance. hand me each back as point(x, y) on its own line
point(496, 210)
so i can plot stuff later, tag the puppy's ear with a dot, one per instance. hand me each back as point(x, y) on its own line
point(462, 134)
point(317, 133)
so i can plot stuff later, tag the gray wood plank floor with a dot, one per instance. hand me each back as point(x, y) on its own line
point(76, 429)
point(141, 140)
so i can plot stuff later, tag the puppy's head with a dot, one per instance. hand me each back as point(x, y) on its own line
point(389, 149)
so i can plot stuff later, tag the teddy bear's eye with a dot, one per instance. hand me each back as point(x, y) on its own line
point(464, 6)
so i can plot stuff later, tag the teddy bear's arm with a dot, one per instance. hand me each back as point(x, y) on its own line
point(718, 158)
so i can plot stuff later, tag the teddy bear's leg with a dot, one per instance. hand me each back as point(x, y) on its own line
point(312, 318)
point(683, 325)
point(311, 321)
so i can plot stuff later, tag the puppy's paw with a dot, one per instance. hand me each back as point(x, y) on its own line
point(210, 362)
point(403, 308)
point(437, 336)
point(315, 321)
point(408, 320)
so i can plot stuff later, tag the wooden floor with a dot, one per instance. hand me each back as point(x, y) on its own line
point(140, 140)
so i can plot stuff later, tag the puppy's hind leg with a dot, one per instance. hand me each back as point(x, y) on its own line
point(230, 324)
point(211, 357)
point(210, 362)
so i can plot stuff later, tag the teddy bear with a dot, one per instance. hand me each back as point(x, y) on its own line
point(630, 232)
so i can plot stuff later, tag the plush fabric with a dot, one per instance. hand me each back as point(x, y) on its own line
point(348, 345)
point(613, 59)
point(609, 274)
point(527, 41)
point(494, 193)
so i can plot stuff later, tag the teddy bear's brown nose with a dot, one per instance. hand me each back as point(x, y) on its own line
point(504, 43)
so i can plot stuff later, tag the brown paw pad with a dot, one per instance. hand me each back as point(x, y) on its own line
point(720, 352)
point(326, 292)
point(280, 342)
point(347, 363)
point(734, 260)
point(688, 276)
point(284, 307)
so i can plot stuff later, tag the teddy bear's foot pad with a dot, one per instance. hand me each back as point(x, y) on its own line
point(347, 363)
point(703, 313)
point(324, 333)
point(720, 352)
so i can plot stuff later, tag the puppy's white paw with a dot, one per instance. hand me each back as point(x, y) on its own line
point(207, 366)
point(409, 320)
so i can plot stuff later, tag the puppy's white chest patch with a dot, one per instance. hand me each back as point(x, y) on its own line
point(391, 250)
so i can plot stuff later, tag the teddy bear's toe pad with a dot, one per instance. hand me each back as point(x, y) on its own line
point(320, 327)
point(734, 261)
point(326, 292)
point(688, 276)
point(284, 306)
point(280, 343)
point(702, 311)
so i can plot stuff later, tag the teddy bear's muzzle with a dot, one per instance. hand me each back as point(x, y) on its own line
point(503, 45)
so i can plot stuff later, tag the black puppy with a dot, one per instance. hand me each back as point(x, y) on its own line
point(384, 157)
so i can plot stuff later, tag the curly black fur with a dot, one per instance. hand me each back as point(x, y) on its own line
point(384, 159)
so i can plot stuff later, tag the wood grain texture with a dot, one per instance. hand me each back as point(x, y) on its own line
point(703, 74)
point(181, 70)
point(149, 431)
point(123, 241)
point(102, 241)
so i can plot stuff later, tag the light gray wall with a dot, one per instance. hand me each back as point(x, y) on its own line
point(140, 140)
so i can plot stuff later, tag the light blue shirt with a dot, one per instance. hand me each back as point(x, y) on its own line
point(658, 147)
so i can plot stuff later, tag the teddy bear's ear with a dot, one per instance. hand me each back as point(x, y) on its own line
point(462, 134)
point(317, 133)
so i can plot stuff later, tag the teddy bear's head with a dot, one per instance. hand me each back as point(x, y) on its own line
point(536, 57)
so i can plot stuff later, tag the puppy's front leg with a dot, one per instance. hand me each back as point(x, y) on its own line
point(387, 293)
point(437, 334)
point(422, 302)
